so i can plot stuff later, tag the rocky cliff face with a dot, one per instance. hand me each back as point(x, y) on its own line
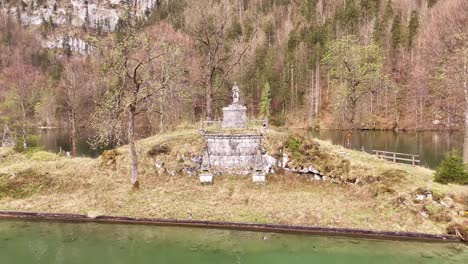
point(74, 44)
point(102, 14)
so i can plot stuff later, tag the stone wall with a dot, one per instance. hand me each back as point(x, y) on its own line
point(237, 152)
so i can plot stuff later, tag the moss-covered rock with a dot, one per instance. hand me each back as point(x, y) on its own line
point(305, 153)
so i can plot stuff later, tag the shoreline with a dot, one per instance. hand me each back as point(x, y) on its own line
point(240, 226)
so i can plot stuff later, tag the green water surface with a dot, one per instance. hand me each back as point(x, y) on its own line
point(46, 242)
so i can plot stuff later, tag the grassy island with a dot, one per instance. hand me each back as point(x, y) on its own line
point(362, 191)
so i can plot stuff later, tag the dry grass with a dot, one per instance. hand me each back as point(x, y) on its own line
point(94, 186)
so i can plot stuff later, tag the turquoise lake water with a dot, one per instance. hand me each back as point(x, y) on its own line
point(24, 242)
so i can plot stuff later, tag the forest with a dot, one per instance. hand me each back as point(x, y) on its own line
point(339, 64)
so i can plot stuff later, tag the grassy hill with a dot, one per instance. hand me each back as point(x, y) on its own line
point(363, 191)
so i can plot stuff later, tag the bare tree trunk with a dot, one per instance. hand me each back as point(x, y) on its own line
point(317, 89)
point(131, 144)
point(72, 127)
point(311, 98)
point(209, 100)
point(161, 115)
point(352, 123)
point(465, 89)
point(23, 126)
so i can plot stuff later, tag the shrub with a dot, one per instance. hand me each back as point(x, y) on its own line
point(451, 169)
point(158, 150)
point(294, 144)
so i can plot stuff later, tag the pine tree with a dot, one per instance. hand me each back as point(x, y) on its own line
point(451, 169)
point(396, 32)
point(413, 28)
point(265, 100)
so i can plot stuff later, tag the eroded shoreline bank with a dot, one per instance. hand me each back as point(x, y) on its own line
point(275, 228)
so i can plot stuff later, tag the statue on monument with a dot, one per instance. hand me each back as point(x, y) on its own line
point(235, 94)
point(8, 140)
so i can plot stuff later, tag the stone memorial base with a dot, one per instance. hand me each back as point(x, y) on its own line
point(233, 153)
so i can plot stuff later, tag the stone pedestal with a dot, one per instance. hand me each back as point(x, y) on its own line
point(235, 116)
point(206, 178)
point(259, 177)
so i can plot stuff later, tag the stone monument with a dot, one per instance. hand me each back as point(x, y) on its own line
point(235, 114)
point(233, 150)
point(8, 140)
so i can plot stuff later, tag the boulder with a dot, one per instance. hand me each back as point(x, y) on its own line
point(268, 163)
point(285, 161)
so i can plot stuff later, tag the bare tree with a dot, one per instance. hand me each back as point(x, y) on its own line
point(137, 70)
point(22, 85)
point(76, 91)
point(445, 53)
point(211, 23)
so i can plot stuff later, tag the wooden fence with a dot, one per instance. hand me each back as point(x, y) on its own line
point(397, 157)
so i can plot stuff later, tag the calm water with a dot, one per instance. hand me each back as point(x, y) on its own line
point(430, 146)
point(40, 242)
point(55, 139)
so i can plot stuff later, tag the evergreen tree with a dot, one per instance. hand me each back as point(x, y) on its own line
point(452, 169)
point(413, 28)
point(265, 100)
point(396, 32)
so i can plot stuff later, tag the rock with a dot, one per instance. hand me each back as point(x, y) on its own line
point(93, 214)
point(285, 161)
point(206, 178)
point(197, 160)
point(205, 164)
point(313, 170)
point(447, 202)
point(420, 197)
point(343, 153)
point(189, 170)
point(268, 163)
point(158, 164)
point(317, 178)
point(325, 178)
